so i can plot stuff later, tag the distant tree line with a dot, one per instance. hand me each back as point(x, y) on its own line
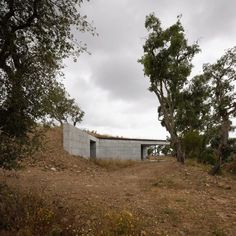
point(196, 111)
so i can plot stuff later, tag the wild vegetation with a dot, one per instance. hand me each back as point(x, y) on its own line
point(197, 112)
point(35, 37)
point(58, 194)
point(54, 193)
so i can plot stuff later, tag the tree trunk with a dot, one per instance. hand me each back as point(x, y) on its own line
point(179, 152)
point(223, 144)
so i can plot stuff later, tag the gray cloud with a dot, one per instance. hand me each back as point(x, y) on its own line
point(110, 86)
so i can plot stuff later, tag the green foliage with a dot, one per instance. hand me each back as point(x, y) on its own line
point(167, 61)
point(193, 144)
point(60, 107)
point(14, 149)
point(167, 150)
point(10, 150)
point(120, 223)
point(193, 111)
point(196, 112)
point(221, 78)
point(196, 147)
point(35, 37)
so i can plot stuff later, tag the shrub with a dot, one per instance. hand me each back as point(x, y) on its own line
point(28, 214)
point(13, 149)
point(193, 144)
point(10, 151)
point(121, 223)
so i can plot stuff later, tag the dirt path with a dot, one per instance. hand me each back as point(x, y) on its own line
point(167, 198)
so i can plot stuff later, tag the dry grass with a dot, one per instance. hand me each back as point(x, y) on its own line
point(140, 198)
point(111, 164)
point(33, 214)
point(53, 155)
point(29, 213)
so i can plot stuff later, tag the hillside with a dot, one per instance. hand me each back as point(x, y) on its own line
point(134, 198)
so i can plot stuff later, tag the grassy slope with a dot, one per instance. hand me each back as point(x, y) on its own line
point(66, 195)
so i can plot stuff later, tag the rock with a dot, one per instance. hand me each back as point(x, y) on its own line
point(93, 217)
point(77, 219)
point(53, 169)
point(64, 220)
point(143, 233)
point(182, 233)
point(224, 186)
point(88, 222)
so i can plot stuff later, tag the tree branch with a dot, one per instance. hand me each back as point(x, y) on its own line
point(30, 19)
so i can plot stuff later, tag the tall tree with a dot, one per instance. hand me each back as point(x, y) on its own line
point(35, 36)
point(221, 76)
point(167, 62)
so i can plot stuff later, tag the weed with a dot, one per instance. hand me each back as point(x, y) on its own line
point(164, 183)
point(219, 232)
point(121, 223)
point(27, 214)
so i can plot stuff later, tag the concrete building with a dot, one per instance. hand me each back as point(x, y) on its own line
point(80, 143)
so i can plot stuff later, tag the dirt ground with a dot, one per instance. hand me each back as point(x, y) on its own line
point(164, 197)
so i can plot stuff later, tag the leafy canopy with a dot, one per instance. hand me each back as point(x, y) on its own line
point(35, 37)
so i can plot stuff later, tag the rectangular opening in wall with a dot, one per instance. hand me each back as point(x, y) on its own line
point(142, 154)
point(92, 149)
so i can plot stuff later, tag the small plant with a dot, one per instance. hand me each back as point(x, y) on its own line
point(219, 232)
point(28, 214)
point(121, 223)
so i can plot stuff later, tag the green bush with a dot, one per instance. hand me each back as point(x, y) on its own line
point(11, 150)
point(14, 149)
point(196, 148)
point(193, 144)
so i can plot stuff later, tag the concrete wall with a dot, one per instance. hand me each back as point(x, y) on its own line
point(77, 142)
point(119, 149)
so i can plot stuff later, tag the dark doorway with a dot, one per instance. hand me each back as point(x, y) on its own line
point(92, 149)
point(142, 152)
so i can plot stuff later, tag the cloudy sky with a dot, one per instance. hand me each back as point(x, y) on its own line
point(110, 86)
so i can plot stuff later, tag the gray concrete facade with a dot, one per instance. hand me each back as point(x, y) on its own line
point(80, 143)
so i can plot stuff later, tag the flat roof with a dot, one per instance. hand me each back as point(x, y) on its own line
point(132, 139)
point(109, 137)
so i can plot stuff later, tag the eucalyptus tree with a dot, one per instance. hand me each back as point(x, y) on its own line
point(167, 61)
point(221, 77)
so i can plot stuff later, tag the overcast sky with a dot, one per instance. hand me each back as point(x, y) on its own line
point(109, 85)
